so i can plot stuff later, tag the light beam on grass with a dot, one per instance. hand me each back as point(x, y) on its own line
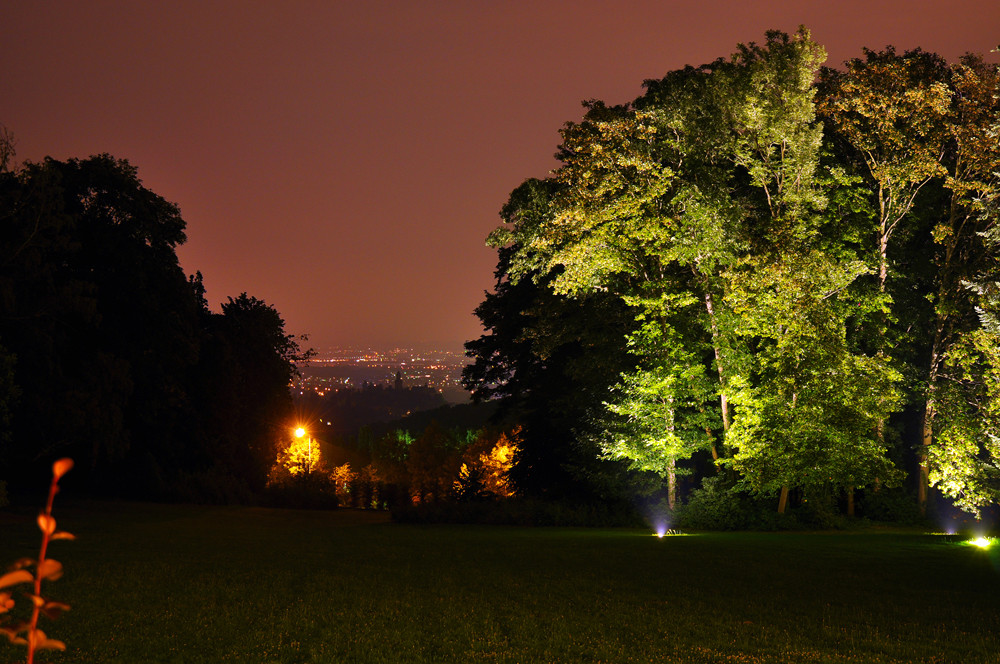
point(663, 531)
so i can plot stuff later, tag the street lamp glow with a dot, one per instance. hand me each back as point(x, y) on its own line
point(300, 433)
point(981, 542)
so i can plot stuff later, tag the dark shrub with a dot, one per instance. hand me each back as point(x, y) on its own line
point(313, 491)
point(890, 506)
point(716, 507)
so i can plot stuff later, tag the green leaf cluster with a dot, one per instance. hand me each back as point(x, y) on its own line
point(809, 255)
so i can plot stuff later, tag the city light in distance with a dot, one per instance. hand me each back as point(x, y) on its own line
point(334, 369)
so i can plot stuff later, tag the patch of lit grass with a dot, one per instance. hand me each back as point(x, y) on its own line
point(151, 583)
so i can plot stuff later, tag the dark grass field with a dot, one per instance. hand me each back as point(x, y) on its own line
point(155, 583)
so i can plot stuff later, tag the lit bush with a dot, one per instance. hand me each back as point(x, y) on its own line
point(486, 466)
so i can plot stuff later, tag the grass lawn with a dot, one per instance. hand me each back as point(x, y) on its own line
point(181, 584)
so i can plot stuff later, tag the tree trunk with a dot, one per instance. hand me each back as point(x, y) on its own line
point(880, 437)
point(672, 463)
point(783, 499)
point(723, 401)
point(927, 438)
point(925, 466)
point(850, 501)
point(672, 484)
point(715, 451)
point(883, 260)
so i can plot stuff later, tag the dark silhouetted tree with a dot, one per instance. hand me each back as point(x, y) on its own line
point(116, 359)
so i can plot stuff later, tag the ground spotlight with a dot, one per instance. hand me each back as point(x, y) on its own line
point(663, 532)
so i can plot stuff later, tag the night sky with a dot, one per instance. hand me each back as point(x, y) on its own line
point(344, 161)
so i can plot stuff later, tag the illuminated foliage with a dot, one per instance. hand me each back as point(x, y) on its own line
point(301, 458)
point(925, 134)
point(27, 632)
point(892, 110)
point(786, 286)
point(682, 203)
point(810, 405)
point(662, 409)
point(486, 466)
point(964, 461)
point(343, 479)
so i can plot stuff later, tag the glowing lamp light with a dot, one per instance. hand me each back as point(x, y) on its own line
point(981, 542)
point(300, 432)
point(661, 527)
point(662, 530)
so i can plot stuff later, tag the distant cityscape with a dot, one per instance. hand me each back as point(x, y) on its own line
point(334, 369)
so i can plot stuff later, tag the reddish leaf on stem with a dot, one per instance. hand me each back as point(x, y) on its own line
point(18, 576)
point(61, 467)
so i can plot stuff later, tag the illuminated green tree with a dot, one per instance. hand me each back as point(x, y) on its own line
point(963, 461)
point(667, 202)
point(892, 109)
point(809, 406)
point(662, 407)
point(786, 285)
point(921, 131)
point(602, 232)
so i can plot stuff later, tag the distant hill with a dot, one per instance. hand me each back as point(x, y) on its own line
point(342, 412)
point(459, 416)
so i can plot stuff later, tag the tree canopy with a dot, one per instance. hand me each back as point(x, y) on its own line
point(807, 256)
point(109, 352)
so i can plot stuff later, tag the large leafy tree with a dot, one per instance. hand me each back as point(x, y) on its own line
point(595, 237)
point(549, 362)
point(810, 404)
point(963, 460)
point(672, 202)
point(792, 291)
point(97, 310)
point(147, 333)
point(245, 368)
point(919, 133)
point(892, 110)
point(115, 359)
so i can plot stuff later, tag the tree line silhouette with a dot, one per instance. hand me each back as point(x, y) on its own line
point(109, 353)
